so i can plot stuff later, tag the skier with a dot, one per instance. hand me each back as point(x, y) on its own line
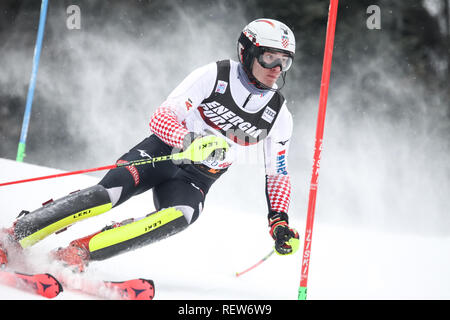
point(227, 101)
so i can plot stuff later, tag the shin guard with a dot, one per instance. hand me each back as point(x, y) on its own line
point(128, 235)
point(59, 214)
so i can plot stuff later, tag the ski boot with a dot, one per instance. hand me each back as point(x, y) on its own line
point(8, 242)
point(3, 257)
point(76, 256)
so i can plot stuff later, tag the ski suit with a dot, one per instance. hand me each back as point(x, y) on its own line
point(214, 99)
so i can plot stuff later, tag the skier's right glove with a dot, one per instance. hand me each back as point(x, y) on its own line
point(199, 148)
point(286, 238)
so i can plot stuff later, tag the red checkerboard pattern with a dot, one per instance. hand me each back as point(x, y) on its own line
point(165, 125)
point(278, 192)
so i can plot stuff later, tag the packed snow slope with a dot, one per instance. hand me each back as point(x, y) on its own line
point(200, 263)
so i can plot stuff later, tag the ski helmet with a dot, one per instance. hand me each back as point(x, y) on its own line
point(260, 36)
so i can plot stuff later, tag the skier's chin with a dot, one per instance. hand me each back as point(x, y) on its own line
point(268, 79)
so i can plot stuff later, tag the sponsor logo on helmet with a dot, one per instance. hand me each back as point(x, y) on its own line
point(284, 37)
point(250, 35)
point(284, 41)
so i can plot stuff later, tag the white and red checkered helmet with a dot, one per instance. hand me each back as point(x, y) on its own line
point(264, 34)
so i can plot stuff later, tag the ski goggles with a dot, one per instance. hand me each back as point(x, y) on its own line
point(270, 59)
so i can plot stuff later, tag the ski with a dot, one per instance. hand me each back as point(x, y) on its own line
point(134, 289)
point(43, 284)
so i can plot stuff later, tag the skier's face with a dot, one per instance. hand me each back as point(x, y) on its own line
point(264, 75)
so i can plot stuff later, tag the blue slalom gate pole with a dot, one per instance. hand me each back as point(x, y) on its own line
point(32, 85)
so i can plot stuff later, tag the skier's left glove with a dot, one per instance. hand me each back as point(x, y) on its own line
point(286, 239)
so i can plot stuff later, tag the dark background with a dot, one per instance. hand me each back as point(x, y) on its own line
point(415, 39)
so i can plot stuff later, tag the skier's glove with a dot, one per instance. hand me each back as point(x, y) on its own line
point(286, 238)
point(199, 148)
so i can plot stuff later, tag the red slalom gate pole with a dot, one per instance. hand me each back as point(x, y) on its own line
point(326, 70)
point(112, 166)
point(59, 175)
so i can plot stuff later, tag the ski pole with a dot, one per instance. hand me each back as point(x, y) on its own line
point(255, 265)
point(326, 70)
point(37, 55)
point(199, 150)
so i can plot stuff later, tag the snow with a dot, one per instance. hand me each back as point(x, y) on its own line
point(347, 262)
